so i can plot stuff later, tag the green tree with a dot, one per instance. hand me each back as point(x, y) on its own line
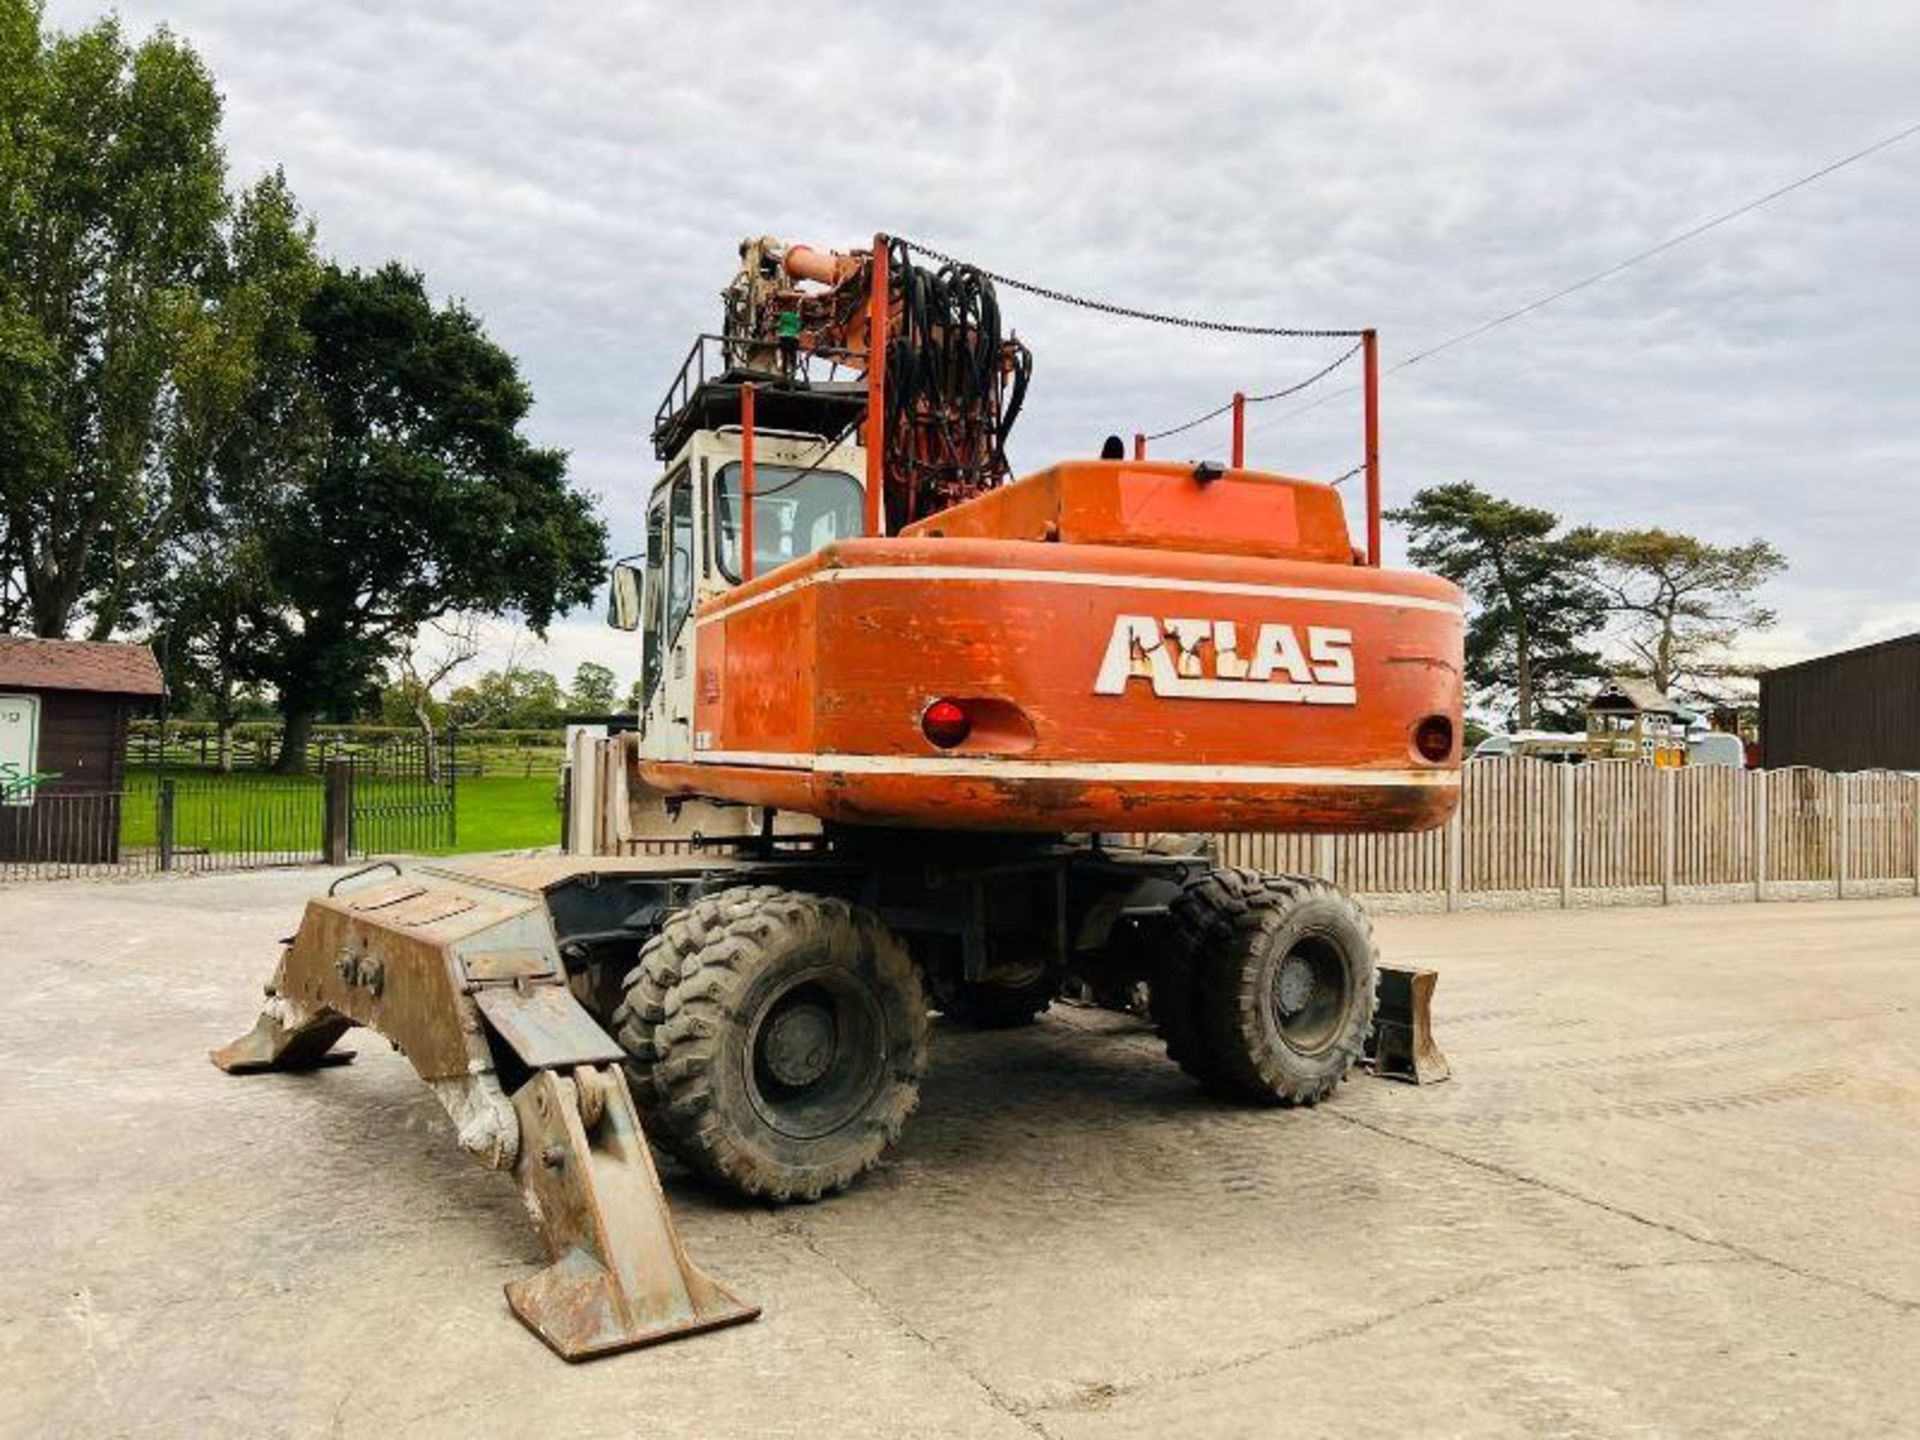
point(516, 698)
point(112, 201)
point(408, 494)
point(1682, 602)
point(592, 692)
point(1533, 604)
point(239, 424)
point(199, 623)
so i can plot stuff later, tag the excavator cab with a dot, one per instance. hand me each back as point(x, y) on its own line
point(807, 494)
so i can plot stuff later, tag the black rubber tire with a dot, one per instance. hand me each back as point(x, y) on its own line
point(715, 1105)
point(1236, 928)
point(1173, 1000)
point(643, 1006)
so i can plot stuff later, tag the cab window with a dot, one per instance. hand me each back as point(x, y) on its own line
point(796, 511)
point(668, 594)
point(653, 598)
point(679, 556)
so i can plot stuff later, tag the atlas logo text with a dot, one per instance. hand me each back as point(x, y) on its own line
point(1204, 660)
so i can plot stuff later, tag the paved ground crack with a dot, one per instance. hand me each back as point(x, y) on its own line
point(1565, 1192)
point(1005, 1404)
point(1103, 1395)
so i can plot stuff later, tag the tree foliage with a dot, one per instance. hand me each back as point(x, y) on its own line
point(517, 698)
point(409, 493)
point(1681, 601)
point(117, 354)
point(592, 691)
point(207, 589)
point(1533, 605)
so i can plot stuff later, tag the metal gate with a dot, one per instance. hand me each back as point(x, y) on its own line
point(403, 796)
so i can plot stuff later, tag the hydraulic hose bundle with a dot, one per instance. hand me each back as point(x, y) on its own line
point(955, 386)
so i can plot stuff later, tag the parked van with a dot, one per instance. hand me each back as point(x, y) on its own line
point(1548, 745)
point(1716, 747)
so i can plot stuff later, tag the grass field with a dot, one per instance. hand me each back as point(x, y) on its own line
point(508, 812)
point(281, 814)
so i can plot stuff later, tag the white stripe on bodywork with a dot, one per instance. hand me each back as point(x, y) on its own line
point(986, 767)
point(1001, 574)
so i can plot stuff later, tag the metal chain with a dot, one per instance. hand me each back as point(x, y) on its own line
point(1336, 484)
point(1198, 420)
point(1127, 312)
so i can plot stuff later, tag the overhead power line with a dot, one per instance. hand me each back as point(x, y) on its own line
point(1128, 312)
point(1639, 257)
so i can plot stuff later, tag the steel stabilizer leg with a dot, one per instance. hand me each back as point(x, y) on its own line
point(286, 1037)
point(620, 1277)
point(466, 984)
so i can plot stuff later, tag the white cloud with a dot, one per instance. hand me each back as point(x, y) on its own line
point(581, 175)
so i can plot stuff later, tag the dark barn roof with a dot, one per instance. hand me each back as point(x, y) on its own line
point(98, 666)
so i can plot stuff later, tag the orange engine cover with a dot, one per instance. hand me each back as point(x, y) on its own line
point(1118, 676)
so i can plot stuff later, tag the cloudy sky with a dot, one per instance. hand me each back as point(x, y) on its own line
point(581, 175)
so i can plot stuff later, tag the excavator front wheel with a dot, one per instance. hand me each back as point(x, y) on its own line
point(790, 1045)
point(1280, 975)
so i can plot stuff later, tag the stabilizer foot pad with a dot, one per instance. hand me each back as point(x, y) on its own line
point(1402, 1046)
point(273, 1045)
point(620, 1277)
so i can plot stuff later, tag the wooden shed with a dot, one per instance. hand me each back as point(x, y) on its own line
point(64, 706)
point(1854, 710)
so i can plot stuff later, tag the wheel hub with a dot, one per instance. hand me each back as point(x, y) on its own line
point(798, 1044)
point(1293, 988)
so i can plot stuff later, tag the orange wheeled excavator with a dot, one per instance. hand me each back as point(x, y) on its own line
point(967, 713)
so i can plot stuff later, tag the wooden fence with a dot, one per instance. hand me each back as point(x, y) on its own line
point(1533, 833)
point(1530, 832)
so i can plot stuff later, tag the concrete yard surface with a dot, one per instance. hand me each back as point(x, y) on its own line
point(1671, 1191)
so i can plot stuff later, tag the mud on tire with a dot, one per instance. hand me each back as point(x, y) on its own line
point(1268, 994)
point(791, 1038)
point(643, 1008)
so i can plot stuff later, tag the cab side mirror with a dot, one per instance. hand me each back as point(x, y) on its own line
point(623, 598)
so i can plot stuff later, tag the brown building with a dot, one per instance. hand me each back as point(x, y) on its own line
point(64, 706)
point(1857, 710)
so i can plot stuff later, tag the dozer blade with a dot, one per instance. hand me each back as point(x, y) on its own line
point(464, 977)
point(1401, 1046)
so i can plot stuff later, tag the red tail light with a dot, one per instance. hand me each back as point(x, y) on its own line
point(1433, 738)
point(945, 723)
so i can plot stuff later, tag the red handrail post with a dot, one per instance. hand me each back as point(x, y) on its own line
point(746, 483)
point(1139, 446)
point(1239, 430)
point(1370, 343)
point(877, 308)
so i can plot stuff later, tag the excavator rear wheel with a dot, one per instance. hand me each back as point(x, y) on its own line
point(643, 1006)
point(791, 1043)
point(1278, 997)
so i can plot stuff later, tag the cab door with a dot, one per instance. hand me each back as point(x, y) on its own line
point(666, 710)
